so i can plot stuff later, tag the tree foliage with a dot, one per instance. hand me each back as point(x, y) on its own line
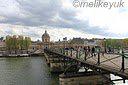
point(113, 43)
point(14, 43)
point(125, 41)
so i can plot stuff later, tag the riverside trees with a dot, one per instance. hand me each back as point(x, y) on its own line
point(117, 44)
point(17, 43)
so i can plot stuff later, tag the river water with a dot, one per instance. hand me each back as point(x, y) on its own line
point(28, 71)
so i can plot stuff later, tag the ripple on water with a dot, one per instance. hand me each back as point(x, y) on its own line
point(25, 71)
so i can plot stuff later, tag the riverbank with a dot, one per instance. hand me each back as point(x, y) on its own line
point(22, 55)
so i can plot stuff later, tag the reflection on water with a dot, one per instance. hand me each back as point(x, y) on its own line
point(29, 71)
point(25, 71)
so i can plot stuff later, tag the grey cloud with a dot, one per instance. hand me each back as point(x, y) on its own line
point(69, 15)
point(40, 12)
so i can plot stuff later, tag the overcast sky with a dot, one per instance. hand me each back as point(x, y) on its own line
point(61, 19)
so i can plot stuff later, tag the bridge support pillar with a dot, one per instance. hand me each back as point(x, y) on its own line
point(56, 67)
point(83, 79)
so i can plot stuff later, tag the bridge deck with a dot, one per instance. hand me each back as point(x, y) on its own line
point(113, 66)
point(109, 62)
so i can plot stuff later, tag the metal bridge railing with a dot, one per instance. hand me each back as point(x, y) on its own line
point(83, 55)
point(98, 58)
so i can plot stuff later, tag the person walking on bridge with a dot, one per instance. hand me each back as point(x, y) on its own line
point(89, 51)
point(93, 51)
point(86, 52)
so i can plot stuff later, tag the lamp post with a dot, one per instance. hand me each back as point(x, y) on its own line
point(105, 45)
point(123, 61)
point(123, 56)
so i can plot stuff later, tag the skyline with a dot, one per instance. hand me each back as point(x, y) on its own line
point(61, 19)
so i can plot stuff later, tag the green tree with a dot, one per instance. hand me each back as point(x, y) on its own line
point(27, 43)
point(125, 42)
point(113, 44)
point(17, 43)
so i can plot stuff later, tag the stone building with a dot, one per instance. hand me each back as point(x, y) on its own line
point(45, 37)
point(77, 42)
point(2, 45)
point(40, 45)
point(46, 41)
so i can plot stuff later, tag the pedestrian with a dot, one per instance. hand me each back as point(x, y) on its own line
point(103, 51)
point(86, 52)
point(93, 51)
point(89, 51)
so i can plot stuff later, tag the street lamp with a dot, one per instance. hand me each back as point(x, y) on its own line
point(105, 45)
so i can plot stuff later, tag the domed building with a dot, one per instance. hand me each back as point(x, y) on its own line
point(46, 40)
point(45, 37)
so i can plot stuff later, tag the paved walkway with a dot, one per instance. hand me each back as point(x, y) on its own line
point(109, 61)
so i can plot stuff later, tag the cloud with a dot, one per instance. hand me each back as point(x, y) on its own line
point(55, 33)
point(38, 12)
point(61, 15)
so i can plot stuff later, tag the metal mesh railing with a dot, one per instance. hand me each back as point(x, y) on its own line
point(81, 55)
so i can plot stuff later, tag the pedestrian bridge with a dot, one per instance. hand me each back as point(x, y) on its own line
point(113, 63)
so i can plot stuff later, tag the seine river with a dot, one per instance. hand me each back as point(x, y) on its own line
point(27, 71)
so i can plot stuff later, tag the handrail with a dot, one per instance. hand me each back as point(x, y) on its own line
point(115, 71)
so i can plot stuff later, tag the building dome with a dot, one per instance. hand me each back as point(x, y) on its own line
point(45, 37)
point(45, 34)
